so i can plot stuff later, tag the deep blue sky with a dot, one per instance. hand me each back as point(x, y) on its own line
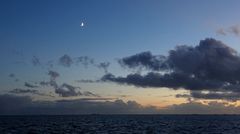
point(113, 29)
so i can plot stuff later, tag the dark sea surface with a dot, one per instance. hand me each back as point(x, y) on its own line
point(121, 124)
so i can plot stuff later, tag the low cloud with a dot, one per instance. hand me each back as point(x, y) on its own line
point(66, 90)
point(28, 91)
point(20, 91)
point(26, 84)
point(87, 93)
point(18, 105)
point(229, 96)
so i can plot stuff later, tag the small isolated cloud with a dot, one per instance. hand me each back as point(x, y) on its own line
point(36, 61)
point(87, 93)
point(26, 84)
point(85, 61)
point(12, 75)
point(53, 74)
point(65, 61)
point(235, 30)
point(66, 90)
point(104, 66)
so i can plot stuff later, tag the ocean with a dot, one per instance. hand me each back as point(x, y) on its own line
point(120, 124)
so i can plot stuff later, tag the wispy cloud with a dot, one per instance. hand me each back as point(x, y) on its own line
point(65, 60)
point(26, 84)
point(235, 30)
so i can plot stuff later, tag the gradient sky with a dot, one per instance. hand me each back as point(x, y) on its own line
point(112, 30)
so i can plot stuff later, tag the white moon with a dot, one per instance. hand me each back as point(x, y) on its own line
point(82, 24)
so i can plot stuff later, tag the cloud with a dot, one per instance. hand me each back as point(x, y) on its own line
point(173, 80)
point(144, 60)
point(229, 96)
point(28, 91)
point(235, 30)
point(85, 60)
point(65, 61)
point(66, 90)
point(104, 66)
point(36, 61)
point(18, 105)
point(192, 107)
point(26, 84)
point(87, 93)
point(20, 91)
point(211, 65)
point(87, 81)
point(53, 74)
point(52, 83)
point(11, 104)
point(12, 75)
point(221, 31)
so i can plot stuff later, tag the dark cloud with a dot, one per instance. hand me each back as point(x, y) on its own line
point(104, 66)
point(66, 90)
point(87, 81)
point(192, 107)
point(173, 80)
point(235, 30)
point(36, 61)
point(144, 60)
point(211, 95)
point(211, 65)
point(53, 74)
point(51, 83)
point(26, 84)
point(85, 61)
point(12, 75)
point(65, 61)
point(183, 96)
point(230, 96)
point(22, 91)
point(25, 105)
point(87, 93)
point(18, 105)
point(28, 91)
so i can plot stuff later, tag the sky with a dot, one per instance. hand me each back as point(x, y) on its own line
point(138, 56)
